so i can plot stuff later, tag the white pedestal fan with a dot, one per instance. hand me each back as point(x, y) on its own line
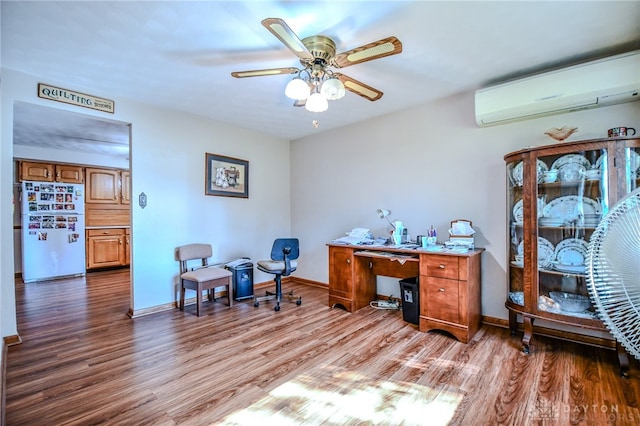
point(613, 272)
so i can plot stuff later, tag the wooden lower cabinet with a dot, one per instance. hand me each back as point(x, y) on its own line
point(450, 295)
point(341, 278)
point(127, 246)
point(108, 247)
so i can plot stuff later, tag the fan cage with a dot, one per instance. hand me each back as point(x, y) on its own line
point(613, 272)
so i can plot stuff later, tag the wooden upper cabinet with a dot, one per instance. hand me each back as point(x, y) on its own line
point(42, 172)
point(45, 172)
point(107, 186)
point(103, 186)
point(126, 187)
point(69, 173)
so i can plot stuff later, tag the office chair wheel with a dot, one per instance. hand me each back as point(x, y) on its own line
point(299, 302)
point(256, 304)
point(277, 308)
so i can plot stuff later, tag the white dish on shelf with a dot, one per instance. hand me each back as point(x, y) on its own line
point(570, 208)
point(550, 221)
point(570, 269)
point(518, 212)
point(517, 172)
point(571, 167)
point(545, 252)
point(570, 255)
point(571, 251)
point(592, 174)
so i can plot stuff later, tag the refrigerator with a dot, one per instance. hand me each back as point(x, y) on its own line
point(52, 218)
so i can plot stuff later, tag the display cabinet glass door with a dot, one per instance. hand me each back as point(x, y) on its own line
point(572, 195)
point(632, 169)
point(515, 209)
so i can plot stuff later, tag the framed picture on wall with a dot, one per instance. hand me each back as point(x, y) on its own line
point(226, 176)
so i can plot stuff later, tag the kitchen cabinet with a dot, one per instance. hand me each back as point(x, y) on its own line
point(48, 172)
point(107, 199)
point(127, 246)
point(103, 186)
point(556, 196)
point(108, 247)
point(125, 187)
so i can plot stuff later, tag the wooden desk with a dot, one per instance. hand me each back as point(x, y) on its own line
point(449, 283)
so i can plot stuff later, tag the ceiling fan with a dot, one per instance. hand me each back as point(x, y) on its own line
point(316, 82)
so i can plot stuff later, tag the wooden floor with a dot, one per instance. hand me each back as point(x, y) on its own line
point(83, 361)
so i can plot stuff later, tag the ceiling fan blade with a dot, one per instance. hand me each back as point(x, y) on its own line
point(378, 49)
point(260, 73)
point(281, 30)
point(359, 88)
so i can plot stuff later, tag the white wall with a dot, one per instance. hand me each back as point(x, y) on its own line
point(428, 165)
point(168, 158)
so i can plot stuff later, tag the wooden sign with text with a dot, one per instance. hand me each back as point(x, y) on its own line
point(75, 98)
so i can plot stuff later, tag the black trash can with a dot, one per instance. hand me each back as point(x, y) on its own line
point(242, 279)
point(410, 298)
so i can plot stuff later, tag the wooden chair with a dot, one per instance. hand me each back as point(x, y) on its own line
point(204, 277)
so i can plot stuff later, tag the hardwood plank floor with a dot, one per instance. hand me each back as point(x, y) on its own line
point(83, 361)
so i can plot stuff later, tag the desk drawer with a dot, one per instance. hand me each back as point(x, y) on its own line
point(441, 267)
point(442, 297)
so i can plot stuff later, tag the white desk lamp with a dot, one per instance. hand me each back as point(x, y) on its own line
point(384, 214)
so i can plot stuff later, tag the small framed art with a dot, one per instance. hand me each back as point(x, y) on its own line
point(226, 176)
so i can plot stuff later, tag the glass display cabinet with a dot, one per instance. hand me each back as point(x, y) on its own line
point(556, 196)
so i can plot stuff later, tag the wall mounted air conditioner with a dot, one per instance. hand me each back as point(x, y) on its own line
point(603, 82)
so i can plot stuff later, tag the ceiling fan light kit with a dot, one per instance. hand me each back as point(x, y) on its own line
point(316, 103)
point(297, 89)
point(332, 89)
point(315, 83)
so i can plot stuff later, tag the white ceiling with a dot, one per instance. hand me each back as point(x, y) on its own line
point(179, 55)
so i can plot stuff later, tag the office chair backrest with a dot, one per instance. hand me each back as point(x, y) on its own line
point(288, 246)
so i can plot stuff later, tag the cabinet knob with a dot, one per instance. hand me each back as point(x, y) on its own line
point(370, 265)
point(348, 261)
point(441, 289)
point(441, 266)
point(120, 241)
point(105, 232)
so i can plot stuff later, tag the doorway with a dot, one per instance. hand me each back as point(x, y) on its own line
point(52, 135)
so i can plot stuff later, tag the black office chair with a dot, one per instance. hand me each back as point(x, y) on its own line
point(283, 262)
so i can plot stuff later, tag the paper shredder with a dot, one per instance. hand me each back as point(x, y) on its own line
point(242, 278)
point(409, 297)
